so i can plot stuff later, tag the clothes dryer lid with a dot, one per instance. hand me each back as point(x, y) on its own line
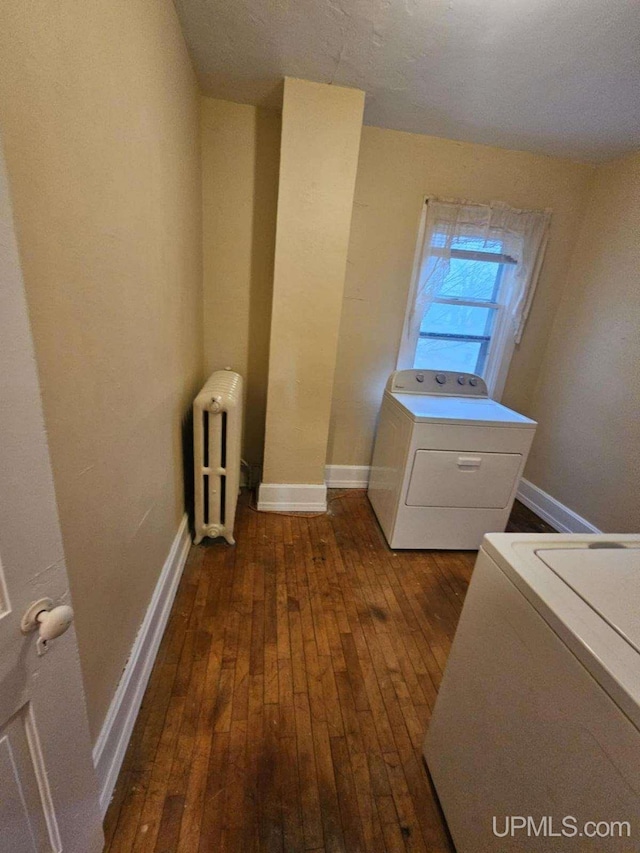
point(605, 578)
point(479, 411)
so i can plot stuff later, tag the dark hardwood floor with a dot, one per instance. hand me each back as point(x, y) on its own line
point(290, 697)
point(522, 520)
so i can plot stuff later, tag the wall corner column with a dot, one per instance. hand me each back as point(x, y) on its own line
point(321, 126)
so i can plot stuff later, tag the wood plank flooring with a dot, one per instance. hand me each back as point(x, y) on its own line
point(293, 687)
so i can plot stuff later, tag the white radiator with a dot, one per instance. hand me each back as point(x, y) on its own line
point(217, 435)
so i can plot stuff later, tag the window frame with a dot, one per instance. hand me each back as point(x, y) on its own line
point(501, 344)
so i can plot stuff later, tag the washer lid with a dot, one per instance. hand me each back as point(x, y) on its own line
point(585, 587)
point(449, 410)
point(605, 578)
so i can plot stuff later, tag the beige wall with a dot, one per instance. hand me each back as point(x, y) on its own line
point(99, 112)
point(587, 451)
point(396, 170)
point(240, 159)
point(321, 127)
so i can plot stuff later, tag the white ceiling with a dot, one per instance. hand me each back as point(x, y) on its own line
point(554, 76)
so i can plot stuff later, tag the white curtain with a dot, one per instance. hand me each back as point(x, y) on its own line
point(522, 234)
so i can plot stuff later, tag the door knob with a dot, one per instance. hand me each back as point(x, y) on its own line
point(50, 621)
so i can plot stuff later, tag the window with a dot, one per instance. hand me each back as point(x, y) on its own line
point(457, 327)
point(474, 278)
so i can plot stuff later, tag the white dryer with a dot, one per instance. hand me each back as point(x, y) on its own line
point(447, 460)
point(538, 713)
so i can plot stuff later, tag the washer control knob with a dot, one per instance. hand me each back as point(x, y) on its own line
point(473, 381)
point(461, 380)
point(441, 378)
point(419, 377)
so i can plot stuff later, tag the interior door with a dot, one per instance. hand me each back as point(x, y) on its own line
point(48, 792)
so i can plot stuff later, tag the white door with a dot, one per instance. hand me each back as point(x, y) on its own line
point(48, 792)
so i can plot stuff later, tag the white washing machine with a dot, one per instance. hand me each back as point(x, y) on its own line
point(538, 713)
point(447, 460)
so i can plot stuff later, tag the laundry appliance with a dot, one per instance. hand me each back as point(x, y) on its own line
point(447, 460)
point(538, 713)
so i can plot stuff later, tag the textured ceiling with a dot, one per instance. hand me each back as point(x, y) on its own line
point(555, 76)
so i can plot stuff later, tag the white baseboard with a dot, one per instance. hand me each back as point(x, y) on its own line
point(310, 498)
point(559, 516)
point(347, 476)
point(110, 748)
point(292, 497)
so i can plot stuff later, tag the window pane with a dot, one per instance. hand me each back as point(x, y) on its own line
point(468, 279)
point(457, 320)
point(477, 244)
point(447, 337)
point(468, 242)
point(434, 354)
